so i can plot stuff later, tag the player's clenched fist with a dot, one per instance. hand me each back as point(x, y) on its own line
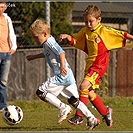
point(64, 36)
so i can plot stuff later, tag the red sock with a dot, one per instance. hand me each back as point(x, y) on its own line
point(98, 104)
point(85, 101)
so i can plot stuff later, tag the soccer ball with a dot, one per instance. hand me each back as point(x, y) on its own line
point(12, 115)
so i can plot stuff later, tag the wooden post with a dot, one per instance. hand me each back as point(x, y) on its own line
point(113, 73)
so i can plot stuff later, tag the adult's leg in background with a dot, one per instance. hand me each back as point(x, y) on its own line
point(5, 62)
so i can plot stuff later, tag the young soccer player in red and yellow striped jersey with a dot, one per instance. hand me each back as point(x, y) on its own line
point(96, 41)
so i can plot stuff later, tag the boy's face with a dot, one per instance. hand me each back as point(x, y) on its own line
point(91, 22)
point(3, 7)
point(40, 38)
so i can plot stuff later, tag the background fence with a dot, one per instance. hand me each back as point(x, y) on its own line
point(25, 77)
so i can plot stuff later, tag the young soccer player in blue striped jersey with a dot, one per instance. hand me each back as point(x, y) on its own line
point(63, 81)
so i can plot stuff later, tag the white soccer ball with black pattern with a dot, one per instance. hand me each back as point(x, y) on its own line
point(12, 115)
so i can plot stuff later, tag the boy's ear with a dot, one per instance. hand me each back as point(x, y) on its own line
point(99, 19)
point(45, 34)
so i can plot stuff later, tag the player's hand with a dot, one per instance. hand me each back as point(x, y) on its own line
point(30, 57)
point(61, 37)
point(11, 52)
point(63, 72)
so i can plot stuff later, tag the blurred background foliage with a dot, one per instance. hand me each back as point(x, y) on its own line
point(25, 13)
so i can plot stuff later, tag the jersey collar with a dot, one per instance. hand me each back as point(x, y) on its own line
point(96, 27)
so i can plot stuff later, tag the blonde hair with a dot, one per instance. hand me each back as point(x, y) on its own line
point(92, 10)
point(39, 26)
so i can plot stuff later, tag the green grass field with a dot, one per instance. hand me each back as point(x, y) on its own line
point(40, 116)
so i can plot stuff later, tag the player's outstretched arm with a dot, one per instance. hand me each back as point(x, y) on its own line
point(33, 57)
point(129, 36)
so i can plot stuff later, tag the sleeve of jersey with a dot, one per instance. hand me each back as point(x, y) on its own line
point(114, 38)
point(54, 46)
point(78, 40)
point(57, 49)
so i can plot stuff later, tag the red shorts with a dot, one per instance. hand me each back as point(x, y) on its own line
point(93, 78)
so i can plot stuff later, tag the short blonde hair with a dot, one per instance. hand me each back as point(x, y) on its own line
point(39, 26)
point(92, 10)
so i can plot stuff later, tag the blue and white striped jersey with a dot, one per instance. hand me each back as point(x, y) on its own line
point(51, 51)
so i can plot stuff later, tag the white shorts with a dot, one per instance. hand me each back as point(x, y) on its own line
point(54, 89)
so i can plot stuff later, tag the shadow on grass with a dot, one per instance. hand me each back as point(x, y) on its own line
point(10, 128)
point(58, 129)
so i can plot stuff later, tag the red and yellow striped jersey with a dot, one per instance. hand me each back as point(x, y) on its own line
point(96, 44)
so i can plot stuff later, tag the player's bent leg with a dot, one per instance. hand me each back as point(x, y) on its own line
point(78, 118)
point(92, 122)
point(69, 91)
point(41, 94)
point(84, 92)
point(102, 109)
point(73, 101)
point(83, 97)
point(64, 109)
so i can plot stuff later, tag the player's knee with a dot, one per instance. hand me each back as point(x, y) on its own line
point(41, 94)
point(92, 94)
point(73, 101)
point(82, 86)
